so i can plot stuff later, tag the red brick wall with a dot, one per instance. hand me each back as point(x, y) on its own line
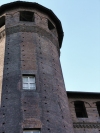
point(90, 124)
point(31, 48)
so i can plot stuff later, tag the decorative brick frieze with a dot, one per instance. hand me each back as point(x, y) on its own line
point(86, 125)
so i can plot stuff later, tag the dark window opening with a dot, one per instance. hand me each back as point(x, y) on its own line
point(50, 25)
point(2, 21)
point(31, 130)
point(80, 109)
point(26, 16)
point(98, 107)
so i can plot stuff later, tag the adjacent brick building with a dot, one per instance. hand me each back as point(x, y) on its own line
point(85, 111)
point(32, 92)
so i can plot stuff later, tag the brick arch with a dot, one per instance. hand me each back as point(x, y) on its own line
point(96, 102)
point(88, 104)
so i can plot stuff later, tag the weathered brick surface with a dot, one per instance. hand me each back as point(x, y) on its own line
point(31, 48)
point(2, 52)
point(11, 95)
point(28, 54)
point(90, 124)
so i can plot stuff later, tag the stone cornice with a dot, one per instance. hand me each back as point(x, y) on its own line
point(87, 95)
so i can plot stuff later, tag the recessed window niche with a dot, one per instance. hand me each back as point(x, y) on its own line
point(2, 21)
point(27, 16)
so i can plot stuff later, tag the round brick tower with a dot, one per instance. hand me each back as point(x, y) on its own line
point(32, 92)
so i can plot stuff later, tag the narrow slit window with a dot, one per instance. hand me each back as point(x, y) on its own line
point(29, 82)
point(2, 21)
point(80, 109)
point(98, 107)
point(27, 16)
point(50, 25)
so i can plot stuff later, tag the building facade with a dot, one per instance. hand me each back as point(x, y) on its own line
point(85, 111)
point(32, 92)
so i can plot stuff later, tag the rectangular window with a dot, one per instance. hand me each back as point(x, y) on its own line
point(29, 82)
point(80, 109)
point(98, 107)
point(26, 16)
point(2, 21)
point(50, 25)
point(31, 131)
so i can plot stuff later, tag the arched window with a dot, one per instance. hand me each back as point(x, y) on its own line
point(80, 109)
point(98, 107)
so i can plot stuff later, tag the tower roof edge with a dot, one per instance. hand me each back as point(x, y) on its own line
point(23, 4)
